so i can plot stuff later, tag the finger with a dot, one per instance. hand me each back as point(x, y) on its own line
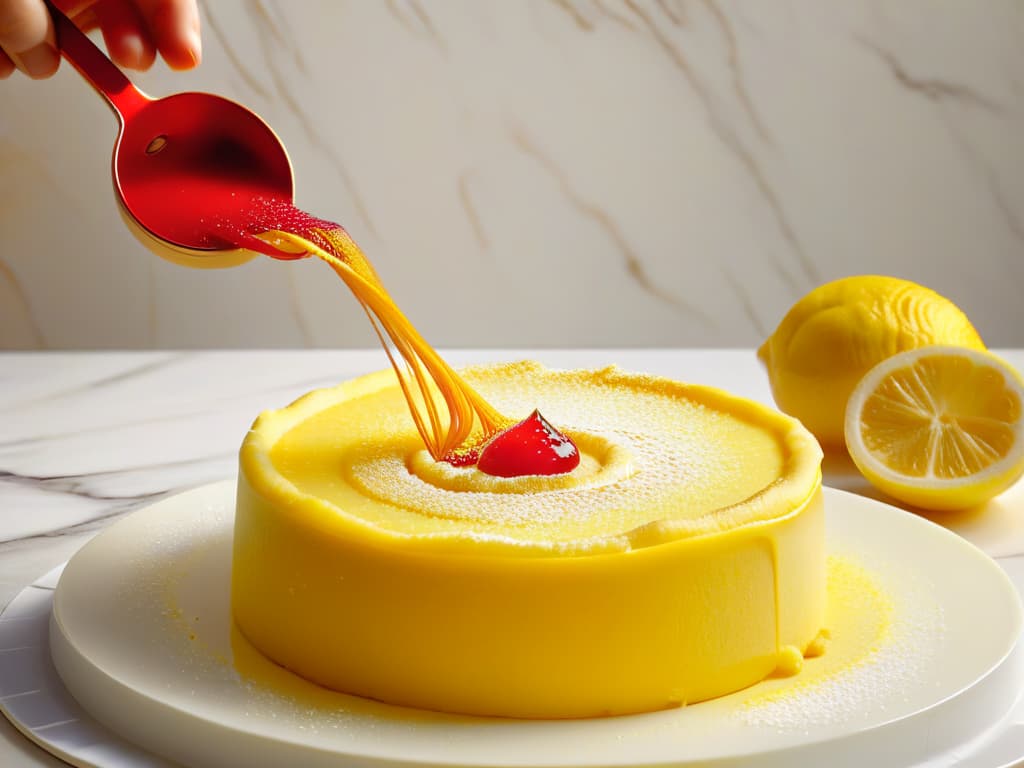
point(73, 8)
point(124, 31)
point(6, 66)
point(174, 25)
point(26, 36)
point(86, 20)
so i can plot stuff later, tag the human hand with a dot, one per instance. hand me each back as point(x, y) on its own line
point(133, 30)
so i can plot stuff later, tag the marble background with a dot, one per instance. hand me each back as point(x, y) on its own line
point(553, 172)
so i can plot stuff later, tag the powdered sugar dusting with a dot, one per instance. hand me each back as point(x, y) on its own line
point(647, 455)
point(884, 644)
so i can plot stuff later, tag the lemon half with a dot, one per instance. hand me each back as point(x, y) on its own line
point(939, 427)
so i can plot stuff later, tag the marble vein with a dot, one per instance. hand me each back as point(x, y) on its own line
point(575, 14)
point(743, 155)
point(77, 485)
point(13, 540)
point(475, 223)
point(427, 22)
point(746, 302)
point(1013, 221)
point(934, 90)
point(613, 15)
point(269, 42)
point(676, 15)
point(634, 266)
point(96, 493)
point(224, 42)
point(86, 526)
point(739, 85)
point(941, 93)
point(132, 372)
point(211, 405)
point(991, 182)
point(396, 11)
point(423, 25)
point(286, 32)
point(21, 297)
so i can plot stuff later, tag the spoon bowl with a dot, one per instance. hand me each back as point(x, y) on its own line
point(189, 169)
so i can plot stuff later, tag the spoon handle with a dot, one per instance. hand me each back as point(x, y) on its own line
point(109, 81)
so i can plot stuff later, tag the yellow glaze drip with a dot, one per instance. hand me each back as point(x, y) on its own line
point(818, 644)
point(860, 612)
point(682, 560)
point(790, 661)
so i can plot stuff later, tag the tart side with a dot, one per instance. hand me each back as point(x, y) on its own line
point(673, 611)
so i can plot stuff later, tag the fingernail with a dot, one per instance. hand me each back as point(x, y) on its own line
point(195, 48)
point(133, 52)
point(37, 62)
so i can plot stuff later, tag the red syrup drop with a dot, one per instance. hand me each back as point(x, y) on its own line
point(531, 447)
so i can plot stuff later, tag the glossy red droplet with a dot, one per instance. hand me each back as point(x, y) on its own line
point(531, 447)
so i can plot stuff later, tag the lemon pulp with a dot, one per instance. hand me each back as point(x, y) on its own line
point(683, 559)
point(939, 427)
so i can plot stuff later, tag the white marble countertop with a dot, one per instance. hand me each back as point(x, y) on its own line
point(86, 437)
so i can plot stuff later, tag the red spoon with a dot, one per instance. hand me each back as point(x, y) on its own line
point(189, 169)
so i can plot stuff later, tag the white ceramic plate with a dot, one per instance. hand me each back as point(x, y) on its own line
point(924, 661)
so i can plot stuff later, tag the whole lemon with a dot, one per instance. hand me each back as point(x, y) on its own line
point(839, 331)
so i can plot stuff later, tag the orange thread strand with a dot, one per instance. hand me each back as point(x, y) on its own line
point(423, 367)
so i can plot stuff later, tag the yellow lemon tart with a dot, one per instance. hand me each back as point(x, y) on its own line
point(682, 559)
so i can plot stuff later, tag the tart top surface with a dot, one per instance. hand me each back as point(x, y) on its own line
point(660, 461)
